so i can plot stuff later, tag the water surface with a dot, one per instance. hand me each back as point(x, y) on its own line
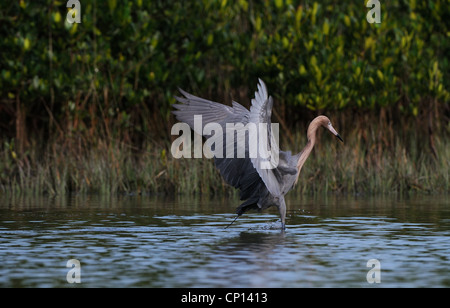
point(142, 241)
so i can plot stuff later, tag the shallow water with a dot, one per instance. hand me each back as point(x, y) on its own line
point(138, 241)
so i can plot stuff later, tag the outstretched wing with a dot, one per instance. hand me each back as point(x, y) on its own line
point(266, 162)
point(248, 174)
point(238, 172)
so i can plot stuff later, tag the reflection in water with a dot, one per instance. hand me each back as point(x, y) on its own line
point(249, 258)
point(176, 242)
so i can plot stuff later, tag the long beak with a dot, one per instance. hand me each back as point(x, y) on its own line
point(332, 130)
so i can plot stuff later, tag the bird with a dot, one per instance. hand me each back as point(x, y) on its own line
point(259, 188)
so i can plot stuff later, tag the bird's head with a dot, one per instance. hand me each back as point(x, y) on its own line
point(325, 122)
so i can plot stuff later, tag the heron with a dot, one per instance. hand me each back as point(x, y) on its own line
point(259, 188)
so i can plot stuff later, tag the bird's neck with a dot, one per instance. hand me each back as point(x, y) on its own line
point(304, 154)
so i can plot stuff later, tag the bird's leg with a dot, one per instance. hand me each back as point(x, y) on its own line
point(282, 210)
point(232, 222)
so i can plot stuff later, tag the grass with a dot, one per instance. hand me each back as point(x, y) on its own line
point(354, 168)
point(365, 164)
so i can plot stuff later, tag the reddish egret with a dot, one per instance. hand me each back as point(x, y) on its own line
point(260, 188)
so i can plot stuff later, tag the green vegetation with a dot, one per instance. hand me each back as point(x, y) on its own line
point(86, 107)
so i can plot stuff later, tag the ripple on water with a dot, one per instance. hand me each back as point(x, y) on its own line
point(322, 246)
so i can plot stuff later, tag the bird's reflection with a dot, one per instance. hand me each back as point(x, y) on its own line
point(250, 255)
point(254, 243)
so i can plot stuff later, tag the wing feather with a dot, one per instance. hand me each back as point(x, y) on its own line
point(265, 163)
point(237, 172)
point(246, 173)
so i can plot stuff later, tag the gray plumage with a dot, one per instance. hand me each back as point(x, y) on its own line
point(259, 188)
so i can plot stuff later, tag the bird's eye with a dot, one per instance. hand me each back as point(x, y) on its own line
point(329, 123)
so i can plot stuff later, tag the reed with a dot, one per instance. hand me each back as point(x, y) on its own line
point(365, 164)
